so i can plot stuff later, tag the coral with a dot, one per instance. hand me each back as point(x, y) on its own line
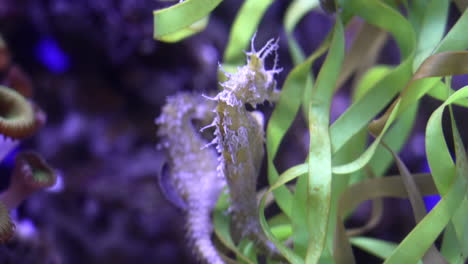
point(31, 174)
point(19, 119)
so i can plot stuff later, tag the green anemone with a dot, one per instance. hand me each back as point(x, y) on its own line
point(34, 170)
point(17, 119)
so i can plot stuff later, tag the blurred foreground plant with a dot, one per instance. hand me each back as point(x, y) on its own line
point(342, 169)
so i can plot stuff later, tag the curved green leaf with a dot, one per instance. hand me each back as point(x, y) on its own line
point(242, 30)
point(320, 167)
point(182, 20)
point(368, 190)
point(358, 115)
point(281, 119)
point(414, 246)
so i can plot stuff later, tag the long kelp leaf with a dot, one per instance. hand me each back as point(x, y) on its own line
point(395, 138)
point(370, 78)
point(413, 247)
point(444, 62)
point(363, 52)
point(364, 82)
point(397, 134)
point(248, 249)
point(376, 98)
point(368, 190)
point(416, 10)
point(287, 176)
point(296, 10)
point(450, 248)
point(438, 155)
point(432, 29)
point(376, 215)
point(439, 91)
point(282, 118)
point(369, 153)
point(456, 39)
point(182, 20)
point(459, 218)
point(415, 197)
point(461, 4)
point(184, 33)
point(376, 247)
point(319, 175)
point(349, 152)
point(361, 112)
point(424, 234)
point(438, 65)
point(402, 127)
point(242, 30)
point(417, 204)
point(294, 13)
point(222, 230)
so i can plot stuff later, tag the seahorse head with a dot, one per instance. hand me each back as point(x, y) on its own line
point(252, 83)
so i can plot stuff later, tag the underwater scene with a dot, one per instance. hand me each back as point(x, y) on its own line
point(233, 131)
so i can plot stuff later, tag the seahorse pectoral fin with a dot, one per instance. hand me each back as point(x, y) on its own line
point(167, 188)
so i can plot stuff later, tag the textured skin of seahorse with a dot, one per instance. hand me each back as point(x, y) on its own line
point(193, 168)
point(240, 139)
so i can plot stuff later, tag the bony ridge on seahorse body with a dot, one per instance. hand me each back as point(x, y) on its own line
point(193, 168)
point(239, 138)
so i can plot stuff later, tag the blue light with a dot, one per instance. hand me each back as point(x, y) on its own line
point(9, 160)
point(52, 56)
point(431, 201)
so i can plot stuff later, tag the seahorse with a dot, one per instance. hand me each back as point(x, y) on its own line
point(239, 138)
point(193, 168)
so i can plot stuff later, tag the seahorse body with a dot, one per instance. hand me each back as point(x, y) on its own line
point(240, 138)
point(193, 168)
